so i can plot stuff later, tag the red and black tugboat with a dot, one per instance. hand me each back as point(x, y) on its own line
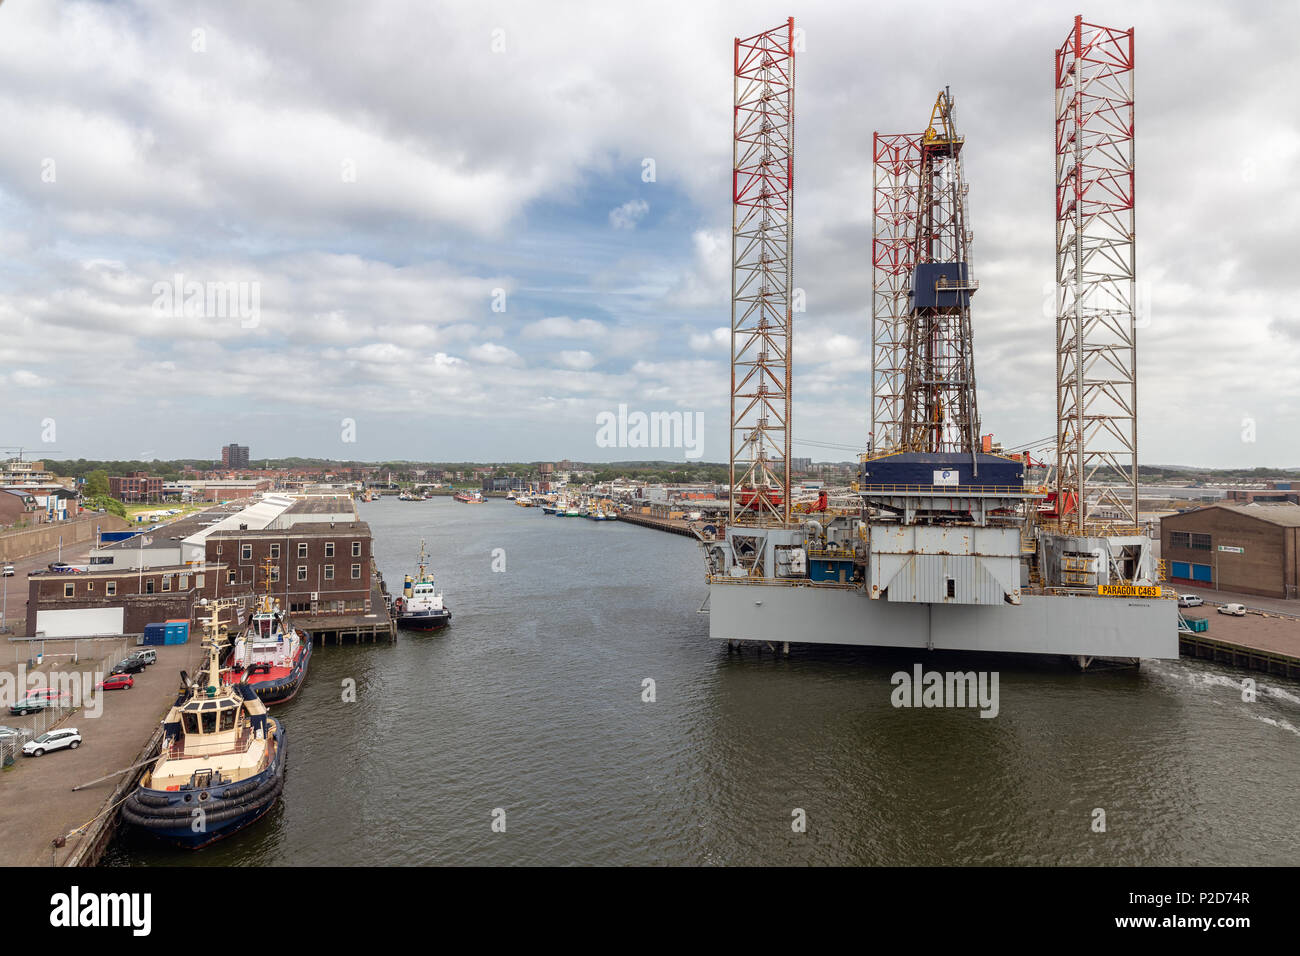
point(270, 654)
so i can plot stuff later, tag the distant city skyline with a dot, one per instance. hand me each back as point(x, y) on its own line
point(214, 229)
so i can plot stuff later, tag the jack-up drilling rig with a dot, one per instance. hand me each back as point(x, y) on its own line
point(950, 547)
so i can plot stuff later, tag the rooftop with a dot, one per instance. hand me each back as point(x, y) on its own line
point(1287, 515)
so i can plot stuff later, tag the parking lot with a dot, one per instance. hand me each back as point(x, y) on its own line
point(37, 802)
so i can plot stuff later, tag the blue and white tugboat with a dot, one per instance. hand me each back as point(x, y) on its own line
point(222, 761)
point(421, 608)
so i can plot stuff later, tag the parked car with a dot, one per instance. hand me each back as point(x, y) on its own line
point(1237, 610)
point(131, 665)
point(54, 740)
point(37, 700)
point(1190, 600)
point(148, 655)
point(116, 682)
point(13, 732)
point(9, 571)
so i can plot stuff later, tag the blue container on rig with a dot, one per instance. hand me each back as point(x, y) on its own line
point(177, 632)
point(155, 634)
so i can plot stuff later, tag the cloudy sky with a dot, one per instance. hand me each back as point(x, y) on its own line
point(437, 218)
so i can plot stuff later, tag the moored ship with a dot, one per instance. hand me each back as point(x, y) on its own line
point(222, 762)
point(270, 654)
point(421, 607)
point(469, 497)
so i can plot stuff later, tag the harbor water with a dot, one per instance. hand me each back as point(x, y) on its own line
point(533, 703)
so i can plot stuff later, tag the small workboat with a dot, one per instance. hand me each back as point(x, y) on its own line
point(421, 607)
point(270, 654)
point(222, 762)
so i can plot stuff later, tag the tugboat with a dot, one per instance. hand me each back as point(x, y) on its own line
point(421, 608)
point(469, 497)
point(271, 655)
point(222, 762)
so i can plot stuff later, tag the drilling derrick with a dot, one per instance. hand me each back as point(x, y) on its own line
point(939, 410)
point(762, 275)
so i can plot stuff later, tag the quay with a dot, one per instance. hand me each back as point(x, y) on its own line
point(1267, 639)
point(369, 628)
point(38, 806)
point(672, 525)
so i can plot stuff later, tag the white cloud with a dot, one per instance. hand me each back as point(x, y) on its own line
point(629, 214)
point(493, 354)
point(579, 359)
point(563, 327)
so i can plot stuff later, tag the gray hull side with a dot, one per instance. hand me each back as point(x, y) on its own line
point(1093, 627)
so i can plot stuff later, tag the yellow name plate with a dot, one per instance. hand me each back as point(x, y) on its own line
point(1127, 590)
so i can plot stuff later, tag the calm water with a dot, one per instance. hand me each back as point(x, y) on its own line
point(531, 702)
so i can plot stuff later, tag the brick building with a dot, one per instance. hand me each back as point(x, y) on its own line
point(234, 456)
point(1254, 549)
point(137, 486)
point(320, 559)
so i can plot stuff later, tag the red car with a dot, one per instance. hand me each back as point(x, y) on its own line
point(117, 682)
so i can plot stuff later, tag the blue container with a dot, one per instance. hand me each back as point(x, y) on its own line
point(155, 634)
point(177, 632)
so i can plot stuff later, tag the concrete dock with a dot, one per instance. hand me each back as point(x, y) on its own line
point(37, 802)
point(1267, 639)
point(671, 525)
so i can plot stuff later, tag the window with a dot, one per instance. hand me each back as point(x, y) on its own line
point(166, 583)
point(69, 590)
point(227, 718)
point(275, 550)
point(329, 572)
point(302, 549)
point(246, 552)
point(275, 574)
point(1200, 542)
point(356, 549)
point(148, 586)
point(302, 572)
point(329, 549)
point(198, 581)
point(90, 586)
point(184, 583)
point(230, 578)
point(952, 588)
point(110, 588)
point(356, 572)
point(1180, 539)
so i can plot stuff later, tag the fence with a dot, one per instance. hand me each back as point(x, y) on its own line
point(73, 665)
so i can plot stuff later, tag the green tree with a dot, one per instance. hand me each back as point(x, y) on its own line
point(110, 505)
point(96, 484)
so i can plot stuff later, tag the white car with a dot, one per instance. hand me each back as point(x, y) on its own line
point(54, 740)
point(9, 571)
point(1190, 600)
point(1237, 610)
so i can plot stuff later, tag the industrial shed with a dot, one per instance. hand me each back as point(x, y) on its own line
point(1254, 549)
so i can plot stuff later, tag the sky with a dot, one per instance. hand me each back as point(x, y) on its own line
point(440, 243)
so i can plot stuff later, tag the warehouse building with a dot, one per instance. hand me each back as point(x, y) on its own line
point(1254, 549)
point(319, 556)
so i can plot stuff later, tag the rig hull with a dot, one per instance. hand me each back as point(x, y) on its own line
point(1041, 624)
